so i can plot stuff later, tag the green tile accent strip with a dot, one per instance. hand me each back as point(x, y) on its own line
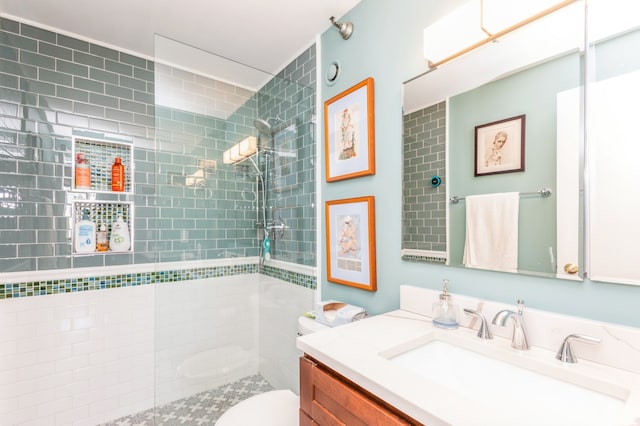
point(71, 285)
point(306, 281)
point(429, 259)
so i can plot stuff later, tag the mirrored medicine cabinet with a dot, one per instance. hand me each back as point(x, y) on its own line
point(564, 89)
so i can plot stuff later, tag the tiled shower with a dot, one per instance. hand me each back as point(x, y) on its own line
point(85, 339)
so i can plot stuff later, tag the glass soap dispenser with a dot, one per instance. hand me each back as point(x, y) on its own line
point(445, 313)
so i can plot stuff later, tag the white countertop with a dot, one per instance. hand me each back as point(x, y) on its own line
point(358, 350)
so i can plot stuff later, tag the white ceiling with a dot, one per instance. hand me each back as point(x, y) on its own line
point(264, 34)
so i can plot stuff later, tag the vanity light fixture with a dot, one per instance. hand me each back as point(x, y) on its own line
point(240, 151)
point(465, 29)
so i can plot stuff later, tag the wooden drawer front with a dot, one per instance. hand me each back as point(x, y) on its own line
point(346, 404)
point(306, 384)
point(322, 416)
point(305, 420)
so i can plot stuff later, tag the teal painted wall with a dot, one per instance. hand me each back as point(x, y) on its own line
point(387, 45)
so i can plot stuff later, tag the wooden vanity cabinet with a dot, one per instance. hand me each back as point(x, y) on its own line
point(329, 399)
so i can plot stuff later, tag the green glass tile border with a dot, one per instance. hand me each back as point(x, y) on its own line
point(303, 280)
point(429, 259)
point(71, 285)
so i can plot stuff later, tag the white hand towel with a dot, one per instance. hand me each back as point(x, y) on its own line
point(492, 232)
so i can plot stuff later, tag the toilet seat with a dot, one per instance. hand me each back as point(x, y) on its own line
point(273, 408)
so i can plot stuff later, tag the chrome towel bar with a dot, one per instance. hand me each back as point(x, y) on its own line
point(544, 192)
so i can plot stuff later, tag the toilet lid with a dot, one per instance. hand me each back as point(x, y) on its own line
point(274, 408)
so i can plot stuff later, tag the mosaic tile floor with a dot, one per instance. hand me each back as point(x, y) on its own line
point(200, 409)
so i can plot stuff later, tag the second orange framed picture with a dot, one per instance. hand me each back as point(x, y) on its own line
point(351, 242)
point(349, 133)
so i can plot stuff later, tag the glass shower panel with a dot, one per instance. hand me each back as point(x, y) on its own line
point(291, 176)
point(212, 215)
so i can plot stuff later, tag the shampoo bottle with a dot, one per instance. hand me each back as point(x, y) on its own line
point(85, 234)
point(82, 172)
point(445, 313)
point(117, 175)
point(120, 240)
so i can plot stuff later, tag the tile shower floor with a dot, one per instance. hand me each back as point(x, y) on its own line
point(200, 409)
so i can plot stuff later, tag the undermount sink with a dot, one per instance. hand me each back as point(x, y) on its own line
point(524, 388)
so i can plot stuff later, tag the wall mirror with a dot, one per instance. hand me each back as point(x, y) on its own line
point(535, 73)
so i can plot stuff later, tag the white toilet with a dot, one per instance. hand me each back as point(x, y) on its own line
point(273, 408)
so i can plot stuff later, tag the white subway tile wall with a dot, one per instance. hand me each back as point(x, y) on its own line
point(89, 357)
point(77, 358)
point(281, 304)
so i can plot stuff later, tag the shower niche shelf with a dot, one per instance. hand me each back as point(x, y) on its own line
point(102, 212)
point(100, 155)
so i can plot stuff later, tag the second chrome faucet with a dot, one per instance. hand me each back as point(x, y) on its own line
point(519, 339)
point(483, 330)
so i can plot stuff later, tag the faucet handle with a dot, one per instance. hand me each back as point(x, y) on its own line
point(565, 354)
point(483, 330)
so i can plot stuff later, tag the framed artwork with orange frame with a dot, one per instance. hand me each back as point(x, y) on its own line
point(351, 242)
point(349, 133)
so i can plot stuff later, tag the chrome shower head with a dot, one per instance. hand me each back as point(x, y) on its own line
point(263, 126)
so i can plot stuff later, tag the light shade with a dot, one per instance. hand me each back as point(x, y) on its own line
point(556, 34)
point(235, 153)
point(453, 32)
point(240, 151)
point(226, 157)
point(473, 23)
point(248, 146)
point(498, 15)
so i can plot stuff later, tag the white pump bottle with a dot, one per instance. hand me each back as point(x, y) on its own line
point(120, 239)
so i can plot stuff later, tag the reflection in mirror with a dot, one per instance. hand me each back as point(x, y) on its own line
point(527, 73)
point(535, 93)
point(424, 228)
point(612, 137)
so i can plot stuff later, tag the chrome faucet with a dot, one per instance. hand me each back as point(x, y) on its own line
point(565, 354)
point(519, 339)
point(483, 330)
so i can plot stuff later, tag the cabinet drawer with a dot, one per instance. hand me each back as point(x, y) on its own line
point(331, 400)
point(305, 420)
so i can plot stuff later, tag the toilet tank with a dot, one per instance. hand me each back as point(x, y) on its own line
point(309, 325)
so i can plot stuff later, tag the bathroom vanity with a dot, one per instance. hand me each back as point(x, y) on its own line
point(398, 367)
point(328, 398)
